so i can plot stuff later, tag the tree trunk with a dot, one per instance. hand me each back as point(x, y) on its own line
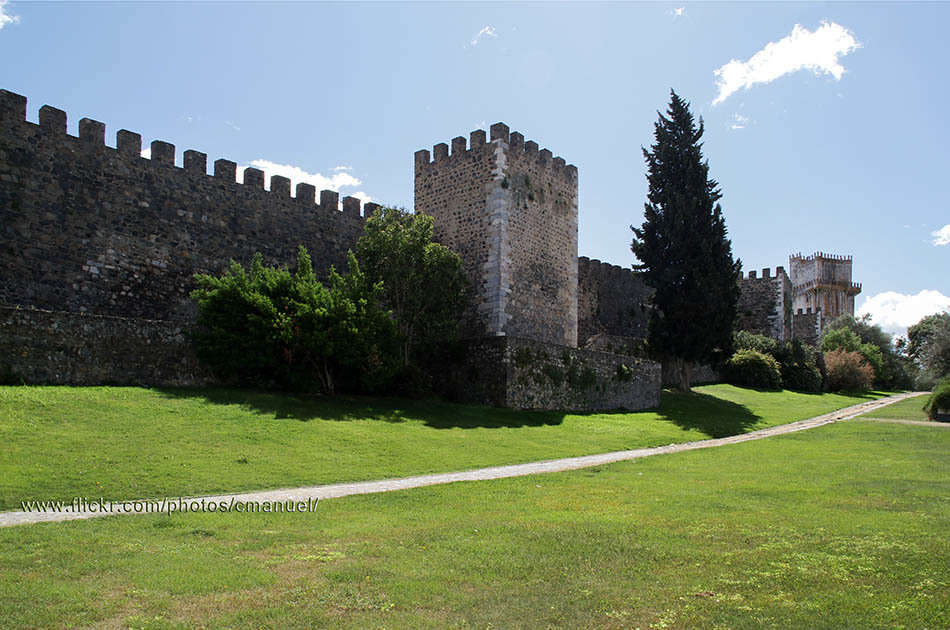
point(686, 372)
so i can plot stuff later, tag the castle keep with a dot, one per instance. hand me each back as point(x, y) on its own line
point(100, 246)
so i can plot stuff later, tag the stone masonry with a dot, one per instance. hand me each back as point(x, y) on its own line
point(94, 229)
point(510, 211)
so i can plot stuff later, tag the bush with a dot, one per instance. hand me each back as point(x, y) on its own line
point(848, 371)
point(801, 377)
point(266, 326)
point(745, 340)
point(751, 368)
point(940, 399)
point(800, 367)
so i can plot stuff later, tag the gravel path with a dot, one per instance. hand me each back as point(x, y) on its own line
point(8, 519)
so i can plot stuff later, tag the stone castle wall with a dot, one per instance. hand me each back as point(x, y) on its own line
point(529, 374)
point(96, 229)
point(611, 301)
point(510, 211)
point(82, 349)
point(765, 304)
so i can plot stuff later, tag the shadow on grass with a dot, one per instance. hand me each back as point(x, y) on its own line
point(713, 416)
point(304, 408)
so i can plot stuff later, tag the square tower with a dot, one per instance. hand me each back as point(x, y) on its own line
point(822, 282)
point(510, 212)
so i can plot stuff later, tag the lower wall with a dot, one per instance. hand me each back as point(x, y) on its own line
point(701, 375)
point(525, 374)
point(62, 348)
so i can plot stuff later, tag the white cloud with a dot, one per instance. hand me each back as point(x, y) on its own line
point(488, 31)
point(894, 312)
point(339, 179)
point(739, 121)
point(678, 12)
point(337, 169)
point(942, 236)
point(816, 50)
point(5, 17)
point(147, 153)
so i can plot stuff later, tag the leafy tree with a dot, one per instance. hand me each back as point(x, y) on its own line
point(929, 346)
point(848, 371)
point(267, 326)
point(423, 282)
point(875, 345)
point(683, 249)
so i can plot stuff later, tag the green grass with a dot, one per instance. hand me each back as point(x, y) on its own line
point(129, 443)
point(844, 526)
point(907, 409)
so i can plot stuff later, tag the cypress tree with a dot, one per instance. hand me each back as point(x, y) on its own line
point(683, 250)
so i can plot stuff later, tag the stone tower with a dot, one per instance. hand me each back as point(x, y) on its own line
point(822, 282)
point(510, 212)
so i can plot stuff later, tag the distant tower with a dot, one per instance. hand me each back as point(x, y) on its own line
point(822, 282)
point(510, 211)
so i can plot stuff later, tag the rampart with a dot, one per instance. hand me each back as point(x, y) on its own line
point(510, 211)
point(529, 374)
point(611, 301)
point(89, 228)
point(765, 304)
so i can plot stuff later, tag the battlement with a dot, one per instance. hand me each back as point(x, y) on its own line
point(105, 231)
point(594, 266)
point(819, 256)
point(766, 274)
point(128, 144)
point(500, 135)
point(854, 287)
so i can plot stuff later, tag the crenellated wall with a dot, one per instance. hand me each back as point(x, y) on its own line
point(611, 300)
point(97, 229)
point(510, 211)
point(765, 304)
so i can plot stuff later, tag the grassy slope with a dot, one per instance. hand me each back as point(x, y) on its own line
point(839, 527)
point(127, 443)
point(909, 409)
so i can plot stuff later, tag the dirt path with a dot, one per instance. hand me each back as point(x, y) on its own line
point(919, 423)
point(8, 519)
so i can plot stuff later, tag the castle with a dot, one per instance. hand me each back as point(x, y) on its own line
point(100, 247)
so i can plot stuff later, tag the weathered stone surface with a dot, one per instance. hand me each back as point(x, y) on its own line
point(80, 349)
point(765, 304)
point(512, 217)
point(611, 301)
point(88, 228)
point(529, 374)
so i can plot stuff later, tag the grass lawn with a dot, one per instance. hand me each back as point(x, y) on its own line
point(908, 409)
point(844, 526)
point(131, 443)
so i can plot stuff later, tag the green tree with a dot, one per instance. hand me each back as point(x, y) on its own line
point(877, 347)
point(928, 345)
point(683, 249)
point(267, 326)
point(423, 282)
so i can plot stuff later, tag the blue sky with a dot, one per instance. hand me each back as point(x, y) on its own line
point(826, 124)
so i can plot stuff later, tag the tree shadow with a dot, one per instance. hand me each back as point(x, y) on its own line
point(306, 407)
point(713, 416)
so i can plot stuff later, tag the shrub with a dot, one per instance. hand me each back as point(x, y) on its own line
point(266, 326)
point(940, 399)
point(745, 340)
point(751, 368)
point(802, 377)
point(848, 371)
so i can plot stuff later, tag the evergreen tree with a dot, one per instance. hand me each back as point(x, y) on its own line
point(683, 249)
